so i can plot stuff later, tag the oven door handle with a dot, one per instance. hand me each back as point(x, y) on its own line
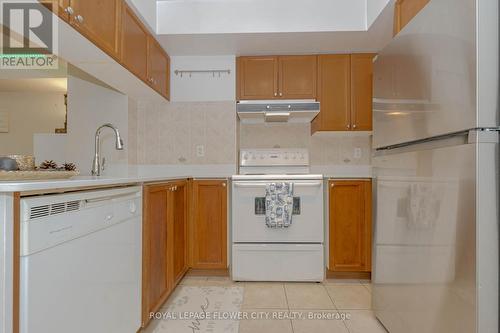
point(248, 184)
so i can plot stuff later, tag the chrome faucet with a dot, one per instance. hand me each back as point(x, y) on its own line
point(96, 164)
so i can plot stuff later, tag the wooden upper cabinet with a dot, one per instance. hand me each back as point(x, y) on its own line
point(157, 234)
point(276, 77)
point(361, 91)
point(350, 225)
point(58, 7)
point(158, 68)
point(100, 22)
point(297, 77)
point(134, 44)
point(334, 93)
point(345, 93)
point(257, 77)
point(405, 10)
point(180, 204)
point(209, 224)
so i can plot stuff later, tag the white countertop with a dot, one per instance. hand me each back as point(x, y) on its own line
point(343, 171)
point(154, 173)
point(132, 175)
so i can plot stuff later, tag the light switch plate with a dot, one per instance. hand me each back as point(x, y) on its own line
point(4, 122)
point(200, 150)
point(357, 153)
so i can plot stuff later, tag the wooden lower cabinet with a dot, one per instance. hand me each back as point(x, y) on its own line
point(184, 226)
point(350, 229)
point(164, 242)
point(208, 245)
point(180, 240)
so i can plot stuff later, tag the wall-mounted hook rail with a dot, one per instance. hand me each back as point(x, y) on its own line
point(194, 71)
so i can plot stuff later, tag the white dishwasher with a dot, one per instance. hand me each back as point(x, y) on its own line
point(81, 262)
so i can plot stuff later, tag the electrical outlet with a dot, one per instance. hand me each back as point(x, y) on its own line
point(200, 150)
point(357, 153)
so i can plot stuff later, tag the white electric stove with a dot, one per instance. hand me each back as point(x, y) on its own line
point(260, 253)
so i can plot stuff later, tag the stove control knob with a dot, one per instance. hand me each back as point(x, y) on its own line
point(245, 156)
point(286, 156)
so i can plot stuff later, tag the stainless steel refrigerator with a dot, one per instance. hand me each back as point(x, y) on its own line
point(436, 172)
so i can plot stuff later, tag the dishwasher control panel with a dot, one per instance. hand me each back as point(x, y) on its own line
point(50, 220)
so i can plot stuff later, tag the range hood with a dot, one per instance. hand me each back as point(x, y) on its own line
point(282, 111)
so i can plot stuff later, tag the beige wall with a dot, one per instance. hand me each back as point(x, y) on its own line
point(168, 133)
point(89, 106)
point(29, 113)
point(334, 148)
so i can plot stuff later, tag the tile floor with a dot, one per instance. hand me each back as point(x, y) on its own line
point(350, 298)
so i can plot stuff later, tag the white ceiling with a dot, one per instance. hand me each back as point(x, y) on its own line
point(235, 34)
point(260, 16)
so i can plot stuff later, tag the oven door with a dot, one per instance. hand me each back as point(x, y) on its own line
point(248, 213)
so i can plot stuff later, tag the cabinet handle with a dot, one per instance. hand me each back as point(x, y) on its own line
point(150, 80)
point(69, 10)
point(281, 94)
point(354, 126)
point(275, 94)
point(348, 126)
point(332, 184)
point(79, 18)
point(223, 184)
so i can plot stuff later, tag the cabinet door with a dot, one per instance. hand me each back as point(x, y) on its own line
point(350, 226)
point(58, 7)
point(134, 52)
point(405, 10)
point(361, 91)
point(257, 77)
point(209, 243)
point(334, 93)
point(158, 67)
point(157, 283)
point(100, 22)
point(179, 204)
point(297, 77)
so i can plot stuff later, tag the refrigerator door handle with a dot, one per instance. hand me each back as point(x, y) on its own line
point(471, 135)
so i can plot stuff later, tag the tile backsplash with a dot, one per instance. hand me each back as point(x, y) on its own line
point(329, 148)
point(179, 132)
point(173, 133)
